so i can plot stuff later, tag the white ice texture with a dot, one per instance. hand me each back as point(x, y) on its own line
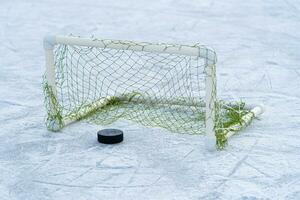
point(258, 48)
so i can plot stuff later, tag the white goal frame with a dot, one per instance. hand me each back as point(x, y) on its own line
point(203, 52)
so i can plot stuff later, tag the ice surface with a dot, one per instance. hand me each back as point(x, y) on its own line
point(258, 45)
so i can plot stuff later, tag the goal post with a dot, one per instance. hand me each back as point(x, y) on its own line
point(165, 85)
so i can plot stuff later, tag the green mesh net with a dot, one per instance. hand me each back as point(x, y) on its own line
point(103, 85)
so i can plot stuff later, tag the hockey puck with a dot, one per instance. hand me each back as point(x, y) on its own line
point(110, 136)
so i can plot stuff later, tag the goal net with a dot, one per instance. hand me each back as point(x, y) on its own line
point(160, 85)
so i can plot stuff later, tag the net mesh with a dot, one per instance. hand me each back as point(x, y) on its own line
point(103, 85)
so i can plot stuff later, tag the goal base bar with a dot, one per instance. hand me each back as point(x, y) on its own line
point(229, 132)
point(246, 120)
point(221, 139)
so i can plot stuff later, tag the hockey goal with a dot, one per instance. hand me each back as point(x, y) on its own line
point(163, 85)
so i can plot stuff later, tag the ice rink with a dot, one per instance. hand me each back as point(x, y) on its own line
point(258, 48)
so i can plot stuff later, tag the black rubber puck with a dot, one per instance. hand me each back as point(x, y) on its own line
point(110, 136)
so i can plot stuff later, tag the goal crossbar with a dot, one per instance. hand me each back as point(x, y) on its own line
point(196, 50)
